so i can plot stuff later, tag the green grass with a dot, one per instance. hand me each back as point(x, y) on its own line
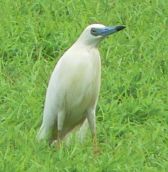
point(132, 112)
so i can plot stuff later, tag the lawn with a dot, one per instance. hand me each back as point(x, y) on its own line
point(132, 112)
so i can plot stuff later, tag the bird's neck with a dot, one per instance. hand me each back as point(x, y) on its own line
point(86, 44)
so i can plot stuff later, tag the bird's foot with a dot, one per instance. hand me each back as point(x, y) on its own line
point(96, 148)
point(57, 144)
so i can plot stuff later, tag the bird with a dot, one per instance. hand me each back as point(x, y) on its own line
point(74, 86)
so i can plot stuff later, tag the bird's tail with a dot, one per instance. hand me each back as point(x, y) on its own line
point(42, 134)
point(81, 134)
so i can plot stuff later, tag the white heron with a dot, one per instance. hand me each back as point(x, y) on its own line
point(73, 89)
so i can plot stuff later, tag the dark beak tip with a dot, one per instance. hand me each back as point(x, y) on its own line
point(120, 28)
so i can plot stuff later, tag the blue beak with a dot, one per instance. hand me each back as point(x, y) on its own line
point(106, 31)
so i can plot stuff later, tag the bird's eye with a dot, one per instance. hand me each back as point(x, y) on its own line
point(93, 31)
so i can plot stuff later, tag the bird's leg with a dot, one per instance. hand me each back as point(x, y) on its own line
point(95, 140)
point(60, 123)
point(58, 139)
point(92, 124)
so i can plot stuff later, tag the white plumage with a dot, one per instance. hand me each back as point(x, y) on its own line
point(74, 86)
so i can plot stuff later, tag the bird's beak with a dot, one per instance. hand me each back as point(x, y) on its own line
point(108, 30)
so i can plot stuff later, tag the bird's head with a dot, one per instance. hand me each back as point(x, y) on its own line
point(94, 33)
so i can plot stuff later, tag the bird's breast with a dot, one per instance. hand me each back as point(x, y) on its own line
point(83, 87)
